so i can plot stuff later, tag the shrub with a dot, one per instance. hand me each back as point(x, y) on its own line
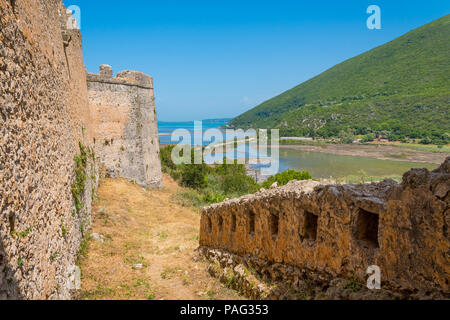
point(190, 175)
point(211, 184)
point(347, 137)
point(426, 140)
point(368, 138)
point(166, 159)
point(211, 197)
point(284, 177)
point(348, 140)
point(189, 198)
point(194, 175)
point(239, 183)
point(233, 179)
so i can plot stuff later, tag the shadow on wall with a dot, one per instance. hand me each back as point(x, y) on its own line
point(8, 283)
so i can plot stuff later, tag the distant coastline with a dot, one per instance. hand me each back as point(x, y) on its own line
point(219, 120)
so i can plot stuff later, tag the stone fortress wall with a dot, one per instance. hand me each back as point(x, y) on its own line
point(51, 141)
point(305, 230)
point(125, 125)
point(44, 120)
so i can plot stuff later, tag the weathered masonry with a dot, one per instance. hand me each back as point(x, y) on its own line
point(53, 134)
point(125, 125)
point(341, 230)
point(48, 172)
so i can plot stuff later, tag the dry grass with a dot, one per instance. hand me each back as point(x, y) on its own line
point(149, 248)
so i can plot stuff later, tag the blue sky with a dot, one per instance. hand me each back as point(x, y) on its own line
point(216, 59)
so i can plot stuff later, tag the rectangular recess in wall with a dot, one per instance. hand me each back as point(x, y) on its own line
point(233, 223)
point(209, 224)
point(274, 224)
point(220, 223)
point(251, 223)
point(366, 229)
point(310, 226)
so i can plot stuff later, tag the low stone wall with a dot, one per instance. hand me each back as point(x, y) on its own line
point(125, 125)
point(340, 230)
point(45, 124)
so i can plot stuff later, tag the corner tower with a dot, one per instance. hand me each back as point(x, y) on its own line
point(125, 125)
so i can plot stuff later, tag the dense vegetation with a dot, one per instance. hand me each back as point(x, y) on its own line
point(399, 90)
point(284, 177)
point(212, 184)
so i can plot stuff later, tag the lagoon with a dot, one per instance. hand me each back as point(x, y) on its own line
point(319, 164)
point(325, 165)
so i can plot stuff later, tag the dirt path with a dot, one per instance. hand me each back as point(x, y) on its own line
point(148, 250)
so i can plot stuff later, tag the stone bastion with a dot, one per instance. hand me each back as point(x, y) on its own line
point(340, 230)
point(125, 125)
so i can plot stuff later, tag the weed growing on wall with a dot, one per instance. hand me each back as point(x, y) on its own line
point(78, 187)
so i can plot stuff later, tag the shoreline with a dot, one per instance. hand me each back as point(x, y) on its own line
point(380, 152)
point(375, 151)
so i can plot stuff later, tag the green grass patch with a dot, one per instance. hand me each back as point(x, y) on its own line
point(396, 156)
point(320, 144)
point(424, 147)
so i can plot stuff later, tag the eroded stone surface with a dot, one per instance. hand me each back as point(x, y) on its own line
point(125, 125)
point(46, 119)
point(44, 115)
point(341, 230)
point(260, 279)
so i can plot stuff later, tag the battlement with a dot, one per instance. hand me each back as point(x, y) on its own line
point(127, 77)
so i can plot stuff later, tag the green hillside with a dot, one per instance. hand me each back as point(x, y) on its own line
point(401, 89)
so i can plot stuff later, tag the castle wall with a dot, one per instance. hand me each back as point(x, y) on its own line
point(44, 119)
point(125, 125)
point(341, 230)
